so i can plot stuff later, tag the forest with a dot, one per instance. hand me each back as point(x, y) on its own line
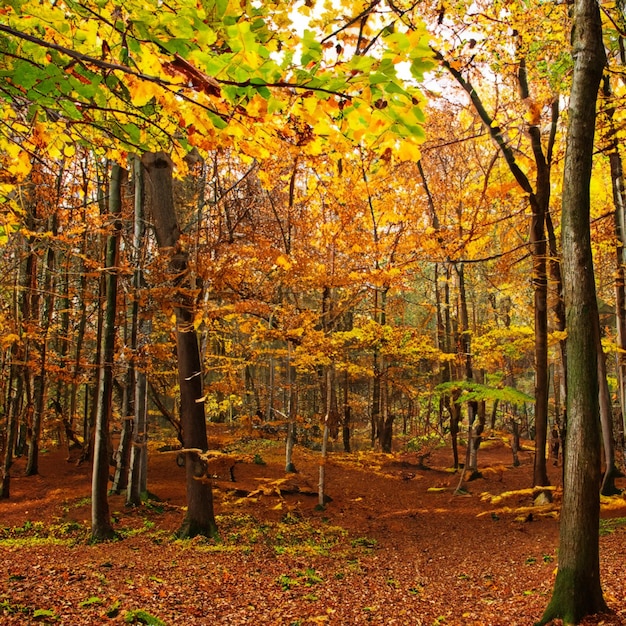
point(248, 246)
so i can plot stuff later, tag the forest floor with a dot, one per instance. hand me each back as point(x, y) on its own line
point(393, 546)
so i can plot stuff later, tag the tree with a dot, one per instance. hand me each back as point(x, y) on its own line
point(101, 527)
point(577, 590)
point(200, 519)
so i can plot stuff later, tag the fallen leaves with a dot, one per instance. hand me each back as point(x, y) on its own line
point(385, 551)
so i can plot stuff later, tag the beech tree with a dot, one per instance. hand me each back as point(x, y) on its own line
point(577, 590)
point(101, 527)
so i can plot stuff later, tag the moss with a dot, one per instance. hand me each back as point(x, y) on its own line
point(572, 599)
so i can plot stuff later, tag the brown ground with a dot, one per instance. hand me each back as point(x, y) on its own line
point(386, 549)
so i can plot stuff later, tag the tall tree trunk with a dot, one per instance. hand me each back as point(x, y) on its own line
point(41, 381)
point(138, 463)
point(577, 590)
point(200, 518)
point(30, 318)
point(92, 391)
point(619, 201)
point(82, 324)
point(101, 528)
point(450, 400)
point(379, 380)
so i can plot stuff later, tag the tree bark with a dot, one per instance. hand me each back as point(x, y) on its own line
point(577, 590)
point(101, 528)
point(137, 469)
point(200, 518)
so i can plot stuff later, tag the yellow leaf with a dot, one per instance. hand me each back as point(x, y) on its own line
point(408, 151)
point(284, 262)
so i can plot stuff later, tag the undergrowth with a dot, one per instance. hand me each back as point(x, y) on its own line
point(291, 536)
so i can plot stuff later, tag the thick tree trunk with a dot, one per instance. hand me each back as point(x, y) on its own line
point(101, 528)
point(577, 590)
point(200, 518)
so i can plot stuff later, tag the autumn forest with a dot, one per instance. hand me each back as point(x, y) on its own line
point(252, 245)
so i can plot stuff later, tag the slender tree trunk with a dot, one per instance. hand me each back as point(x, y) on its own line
point(200, 518)
point(30, 317)
point(577, 590)
point(606, 420)
point(80, 331)
point(540, 282)
point(450, 401)
point(346, 425)
point(619, 201)
point(101, 528)
point(41, 380)
point(292, 411)
point(474, 437)
point(93, 392)
point(321, 484)
point(141, 326)
point(122, 454)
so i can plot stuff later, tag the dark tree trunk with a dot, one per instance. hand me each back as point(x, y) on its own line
point(101, 528)
point(577, 590)
point(200, 518)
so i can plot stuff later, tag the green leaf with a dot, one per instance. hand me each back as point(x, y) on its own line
point(90, 601)
point(70, 109)
point(133, 132)
point(474, 391)
point(142, 617)
point(44, 613)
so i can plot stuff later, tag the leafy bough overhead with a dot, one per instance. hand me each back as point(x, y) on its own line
point(172, 76)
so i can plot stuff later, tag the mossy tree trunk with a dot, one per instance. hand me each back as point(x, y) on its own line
point(577, 590)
